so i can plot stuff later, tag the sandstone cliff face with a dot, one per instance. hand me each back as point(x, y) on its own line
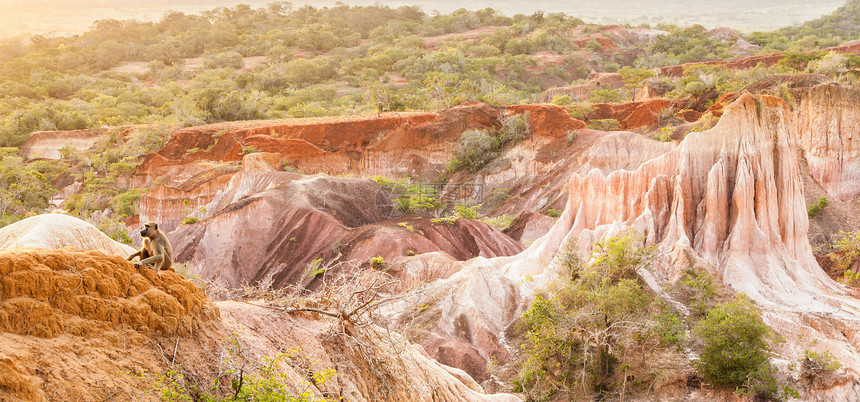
point(828, 119)
point(732, 196)
point(272, 224)
point(47, 144)
point(392, 146)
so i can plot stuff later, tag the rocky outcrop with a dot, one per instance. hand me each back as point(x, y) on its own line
point(732, 196)
point(53, 231)
point(267, 223)
point(828, 119)
point(394, 146)
point(47, 144)
point(47, 293)
point(85, 325)
point(634, 115)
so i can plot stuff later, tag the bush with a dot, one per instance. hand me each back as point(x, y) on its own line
point(514, 128)
point(223, 60)
point(736, 348)
point(604, 96)
point(577, 337)
point(604, 124)
point(467, 212)
point(474, 151)
point(815, 364)
point(814, 209)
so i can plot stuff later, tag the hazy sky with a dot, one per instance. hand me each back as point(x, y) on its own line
point(72, 16)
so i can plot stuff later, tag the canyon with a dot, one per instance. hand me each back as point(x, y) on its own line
point(305, 205)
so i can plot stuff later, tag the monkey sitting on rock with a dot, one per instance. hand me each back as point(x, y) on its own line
point(156, 253)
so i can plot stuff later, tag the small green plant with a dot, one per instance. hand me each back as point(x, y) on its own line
point(417, 198)
point(816, 364)
point(190, 220)
point(816, 208)
point(315, 268)
point(249, 149)
point(571, 136)
point(553, 213)
point(696, 289)
point(190, 151)
point(604, 124)
point(501, 222)
point(475, 150)
point(406, 226)
point(465, 212)
point(377, 262)
point(851, 278)
point(669, 326)
point(410, 252)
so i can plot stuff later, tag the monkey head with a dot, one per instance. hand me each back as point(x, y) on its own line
point(149, 229)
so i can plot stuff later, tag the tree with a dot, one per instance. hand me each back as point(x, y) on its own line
point(634, 78)
point(22, 189)
point(577, 335)
point(441, 86)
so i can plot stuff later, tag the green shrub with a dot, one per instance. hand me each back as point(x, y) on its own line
point(736, 349)
point(474, 151)
point(815, 364)
point(604, 96)
point(190, 220)
point(604, 124)
point(501, 222)
point(669, 326)
point(814, 209)
point(514, 128)
point(577, 337)
point(377, 262)
point(462, 211)
point(553, 213)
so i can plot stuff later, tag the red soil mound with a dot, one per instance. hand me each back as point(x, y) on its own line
point(46, 293)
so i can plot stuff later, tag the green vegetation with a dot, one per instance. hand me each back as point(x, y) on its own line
point(840, 26)
point(501, 222)
point(553, 213)
point(684, 45)
point(349, 58)
point(417, 198)
point(583, 334)
point(736, 346)
point(845, 253)
point(604, 124)
point(477, 148)
point(240, 378)
point(377, 262)
point(316, 267)
point(24, 187)
point(814, 209)
point(817, 364)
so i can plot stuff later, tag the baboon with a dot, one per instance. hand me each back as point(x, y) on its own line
point(156, 253)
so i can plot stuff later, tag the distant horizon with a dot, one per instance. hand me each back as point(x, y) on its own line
point(44, 17)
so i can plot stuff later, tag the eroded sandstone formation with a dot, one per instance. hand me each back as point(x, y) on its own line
point(731, 195)
point(270, 224)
